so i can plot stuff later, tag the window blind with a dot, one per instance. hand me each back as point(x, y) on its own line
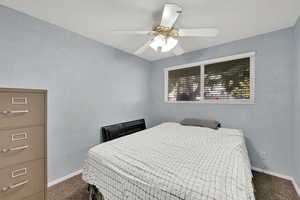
point(184, 84)
point(227, 80)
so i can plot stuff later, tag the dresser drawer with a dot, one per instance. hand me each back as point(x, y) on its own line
point(39, 196)
point(21, 109)
point(22, 180)
point(20, 145)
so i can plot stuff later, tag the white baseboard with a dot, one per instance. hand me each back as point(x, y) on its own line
point(59, 180)
point(280, 176)
point(296, 187)
point(272, 173)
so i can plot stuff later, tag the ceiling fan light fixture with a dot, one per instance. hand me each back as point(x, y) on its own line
point(170, 44)
point(158, 42)
point(163, 44)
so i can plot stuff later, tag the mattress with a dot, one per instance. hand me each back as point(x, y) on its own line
point(172, 162)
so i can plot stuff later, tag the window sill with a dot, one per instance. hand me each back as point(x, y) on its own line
point(251, 102)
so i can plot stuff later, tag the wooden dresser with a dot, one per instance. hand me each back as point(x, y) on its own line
point(23, 144)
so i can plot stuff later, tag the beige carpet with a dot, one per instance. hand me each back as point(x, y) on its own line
point(266, 188)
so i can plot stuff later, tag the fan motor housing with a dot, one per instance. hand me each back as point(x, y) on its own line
point(165, 31)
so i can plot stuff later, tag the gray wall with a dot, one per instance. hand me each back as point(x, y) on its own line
point(296, 136)
point(89, 84)
point(268, 123)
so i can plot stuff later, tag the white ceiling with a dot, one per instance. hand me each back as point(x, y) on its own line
point(96, 19)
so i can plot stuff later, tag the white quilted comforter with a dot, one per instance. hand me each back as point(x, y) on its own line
point(172, 162)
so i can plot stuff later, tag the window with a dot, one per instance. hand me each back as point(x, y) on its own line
point(184, 84)
point(222, 80)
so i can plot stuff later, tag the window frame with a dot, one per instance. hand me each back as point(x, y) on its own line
point(202, 64)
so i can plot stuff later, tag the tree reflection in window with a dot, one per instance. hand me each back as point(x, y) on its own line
point(227, 80)
point(184, 84)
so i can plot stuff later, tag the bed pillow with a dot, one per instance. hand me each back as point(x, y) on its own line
point(201, 122)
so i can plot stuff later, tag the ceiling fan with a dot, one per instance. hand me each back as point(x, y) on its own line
point(165, 36)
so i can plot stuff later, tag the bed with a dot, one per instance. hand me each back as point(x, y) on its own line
point(172, 162)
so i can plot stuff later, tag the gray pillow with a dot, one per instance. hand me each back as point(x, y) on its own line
point(201, 122)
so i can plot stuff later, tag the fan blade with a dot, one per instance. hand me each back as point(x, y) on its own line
point(178, 50)
point(170, 15)
point(132, 32)
point(201, 32)
point(143, 48)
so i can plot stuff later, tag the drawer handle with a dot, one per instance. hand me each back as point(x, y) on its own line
point(19, 136)
point(15, 148)
point(19, 172)
point(12, 112)
point(19, 100)
point(4, 189)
